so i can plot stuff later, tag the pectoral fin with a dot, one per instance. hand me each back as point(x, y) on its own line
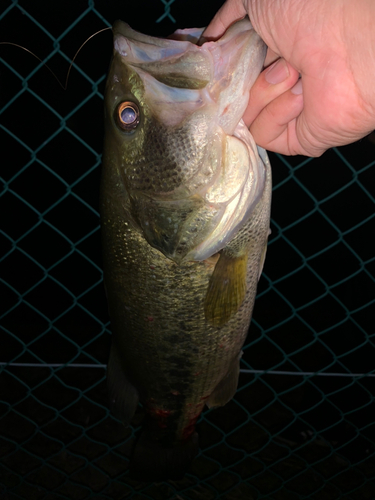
point(227, 289)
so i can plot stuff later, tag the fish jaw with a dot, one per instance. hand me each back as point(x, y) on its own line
point(190, 167)
point(225, 69)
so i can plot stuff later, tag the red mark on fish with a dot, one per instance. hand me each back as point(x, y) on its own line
point(189, 429)
point(160, 415)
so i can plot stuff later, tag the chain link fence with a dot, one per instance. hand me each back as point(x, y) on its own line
point(301, 425)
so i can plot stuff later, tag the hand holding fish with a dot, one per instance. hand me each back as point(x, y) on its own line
point(330, 45)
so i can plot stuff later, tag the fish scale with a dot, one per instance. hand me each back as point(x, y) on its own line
point(162, 152)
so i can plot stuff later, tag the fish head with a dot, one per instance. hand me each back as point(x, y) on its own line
point(173, 125)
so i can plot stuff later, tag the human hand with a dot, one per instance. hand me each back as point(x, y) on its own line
point(331, 45)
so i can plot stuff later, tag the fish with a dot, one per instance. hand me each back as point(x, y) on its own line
point(185, 216)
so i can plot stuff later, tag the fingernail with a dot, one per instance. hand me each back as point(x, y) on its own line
point(297, 89)
point(277, 72)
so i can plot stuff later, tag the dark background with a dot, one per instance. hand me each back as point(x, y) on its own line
point(284, 436)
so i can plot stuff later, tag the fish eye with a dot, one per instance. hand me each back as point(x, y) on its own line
point(127, 115)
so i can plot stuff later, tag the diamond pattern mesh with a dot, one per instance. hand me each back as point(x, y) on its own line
point(301, 425)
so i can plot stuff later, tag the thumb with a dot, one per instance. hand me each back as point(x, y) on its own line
point(230, 12)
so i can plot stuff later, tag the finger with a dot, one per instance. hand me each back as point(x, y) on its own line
point(270, 84)
point(230, 12)
point(271, 57)
point(275, 126)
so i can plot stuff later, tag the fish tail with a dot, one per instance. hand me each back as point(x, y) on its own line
point(155, 461)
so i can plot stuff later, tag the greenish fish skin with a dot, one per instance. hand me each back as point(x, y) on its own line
point(185, 209)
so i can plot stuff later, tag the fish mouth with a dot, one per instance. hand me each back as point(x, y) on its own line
point(175, 61)
point(223, 70)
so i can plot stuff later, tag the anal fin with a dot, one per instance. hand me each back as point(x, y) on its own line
point(262, 260)
point(123, 397)
point(227, 387)
point(227, 289)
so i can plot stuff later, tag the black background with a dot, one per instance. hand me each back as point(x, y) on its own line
point(284, 436)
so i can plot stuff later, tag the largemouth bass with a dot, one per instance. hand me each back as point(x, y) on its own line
point(185, 209)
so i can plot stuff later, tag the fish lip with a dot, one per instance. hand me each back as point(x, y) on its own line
point(122, 28)
point(180, 40)
point(187, 35)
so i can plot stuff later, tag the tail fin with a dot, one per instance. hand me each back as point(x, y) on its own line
point(154, 461)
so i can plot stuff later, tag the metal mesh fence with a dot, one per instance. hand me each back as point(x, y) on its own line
point(301, 425)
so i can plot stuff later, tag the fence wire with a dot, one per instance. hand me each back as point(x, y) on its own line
point(301, 425)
